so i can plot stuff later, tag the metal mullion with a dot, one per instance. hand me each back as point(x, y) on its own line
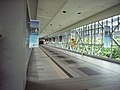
point(111, 38)
point(91, 38)
point(111, 34)
point(83, 34)
point(115, 26)
point(98, 27)
point(99, 49)
point(115, 41)
point(101, 24)
point(66, 40)
point(79, 37)
point(88, 35)
point(102, 32)
point(76, 35)
point(118, 22)
point(88, 38)
point(82, 39)
point(85, 37)
point(94, 37)
point(86, 48)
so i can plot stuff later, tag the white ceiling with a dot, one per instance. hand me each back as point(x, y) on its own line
point(52, 19)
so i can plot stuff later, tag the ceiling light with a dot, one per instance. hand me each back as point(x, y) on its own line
point(50, 24)
point(79, 12)
point(64, 11)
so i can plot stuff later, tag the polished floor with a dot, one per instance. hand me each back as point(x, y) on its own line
point(56, 69)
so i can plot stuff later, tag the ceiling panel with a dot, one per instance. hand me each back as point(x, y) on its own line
point(50, 12)
point(47, 10)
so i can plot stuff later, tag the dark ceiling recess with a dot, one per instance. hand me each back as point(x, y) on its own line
point(50, 24)
point(59, 25)
point(64, 11)
point(1, 35)
point(79, 12)
point(60, 38)
point(53, 39)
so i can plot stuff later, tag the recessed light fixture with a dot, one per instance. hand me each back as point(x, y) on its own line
point(64, 11)
point(1, 36)
point(50, 24)
point(59, 25)
point(79, 13)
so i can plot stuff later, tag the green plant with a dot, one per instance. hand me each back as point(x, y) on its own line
point(116, 53)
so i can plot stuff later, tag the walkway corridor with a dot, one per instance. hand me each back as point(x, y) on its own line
point(44, 74)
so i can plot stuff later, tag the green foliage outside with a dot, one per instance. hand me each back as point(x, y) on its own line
point(118, 38)
point(116, 53)
point(105, 52)
point(87, 47)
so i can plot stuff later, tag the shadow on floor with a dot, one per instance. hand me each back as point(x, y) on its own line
point(51, 86)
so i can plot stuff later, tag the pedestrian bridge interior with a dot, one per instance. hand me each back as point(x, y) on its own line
point(79, 45)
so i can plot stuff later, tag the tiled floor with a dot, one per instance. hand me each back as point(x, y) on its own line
point(88, 73)
point(42, 67)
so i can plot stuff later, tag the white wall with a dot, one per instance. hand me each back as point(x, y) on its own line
point(12, 46)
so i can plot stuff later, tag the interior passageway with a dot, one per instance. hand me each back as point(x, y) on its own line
point(56, 69)
point(76, 25)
